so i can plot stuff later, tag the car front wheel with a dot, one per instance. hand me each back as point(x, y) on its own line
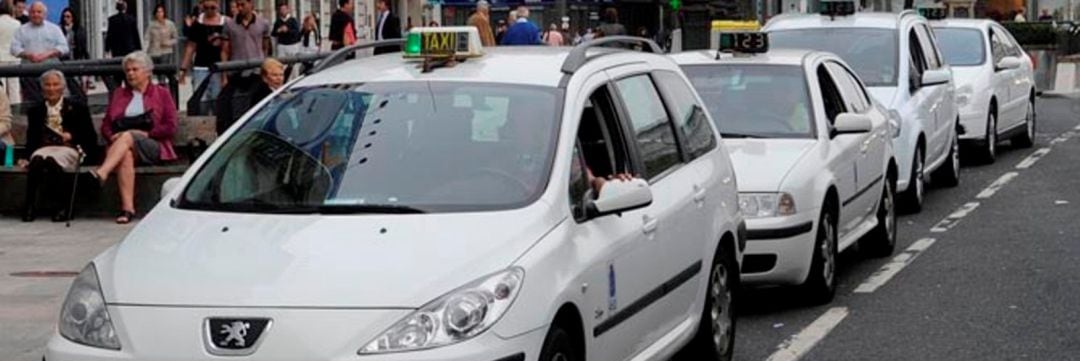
point(821, 284)
point(558, 346)
point(949, 173)
point(988, 153)
point(913, 196)
point(1026, 139)
point(881, 241)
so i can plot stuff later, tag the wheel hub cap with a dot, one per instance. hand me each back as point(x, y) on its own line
point(721, 309)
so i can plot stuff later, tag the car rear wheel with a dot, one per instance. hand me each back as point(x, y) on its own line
point(881, 241)
point(913, 196)
point(1026, 139)
point(715, 339)
point(949, 173)
point(558, 346)
point(821, 284)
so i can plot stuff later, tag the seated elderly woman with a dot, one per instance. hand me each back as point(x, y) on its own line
point(59, 133)
point(139, 125)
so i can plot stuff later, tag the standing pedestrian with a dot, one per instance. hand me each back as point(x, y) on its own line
point(310, 42)
point(481, 20)
point(522, 32)
point(247, 36)
point(553, 37)
point(287, 32)
point(203, 49)
point(122, 35)
point(610, 26)
point(161, 36)
point(20, 12)
point(8, 27)
point(1020, 16)
point(37, 41)
point(388, 26)
point(75, 35)
point(342, 28)
point(500, 31)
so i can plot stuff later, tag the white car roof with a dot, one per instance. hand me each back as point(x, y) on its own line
point(857, 20)
point(981, 24)
point(522, 65)
point(773, 57)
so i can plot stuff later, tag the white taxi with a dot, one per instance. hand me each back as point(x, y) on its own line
point(899, 61)
point(448, 207)
point(813, 154)
point(995, 84)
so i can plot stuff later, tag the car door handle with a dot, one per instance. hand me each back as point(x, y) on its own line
point(649, 224)
point(699, 194)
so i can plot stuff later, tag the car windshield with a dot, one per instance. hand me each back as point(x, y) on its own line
point(870, 52)
point(961, 47)
point(755, 101)
point(404, 147)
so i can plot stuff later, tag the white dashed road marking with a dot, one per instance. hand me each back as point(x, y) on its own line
point(798, 345)
point(1031, 159)
point(950, 221)
point(994, 187)
point(890, 269)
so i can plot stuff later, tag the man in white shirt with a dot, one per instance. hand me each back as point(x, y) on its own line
point(37, 41)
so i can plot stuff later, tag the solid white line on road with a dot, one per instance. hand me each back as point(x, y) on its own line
point(1031, 159)
point(798, 345)
point(951, 220)
point(994, 187)
point(890, 269)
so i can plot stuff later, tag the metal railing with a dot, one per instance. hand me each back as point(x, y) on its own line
point(107, 69)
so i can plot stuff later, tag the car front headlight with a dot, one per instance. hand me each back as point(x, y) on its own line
point(761, 205)
point(84, 318)
point(455, 317)
point(963, 95)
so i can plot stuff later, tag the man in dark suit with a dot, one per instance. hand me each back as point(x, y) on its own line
point(122, 37)
point(387, 26)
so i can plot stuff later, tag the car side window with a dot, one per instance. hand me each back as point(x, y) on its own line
point(929, 48)
point(650, 125)
point(830, 95)
point(601, 149)
point(849, 87)
point(1012, 48)
point(998, 48)
point(918, 58)
point(689, 116)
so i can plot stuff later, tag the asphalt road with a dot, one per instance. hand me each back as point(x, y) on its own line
point(979, 275)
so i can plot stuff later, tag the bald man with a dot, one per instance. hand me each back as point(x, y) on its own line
point(37, 41)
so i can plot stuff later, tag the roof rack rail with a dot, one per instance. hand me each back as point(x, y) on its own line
point(235, 65)
point(339, 55)
point(579, 55)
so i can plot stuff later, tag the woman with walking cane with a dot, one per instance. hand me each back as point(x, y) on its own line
point(59, 135)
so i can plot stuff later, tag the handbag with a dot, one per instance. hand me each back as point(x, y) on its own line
point(139, 122)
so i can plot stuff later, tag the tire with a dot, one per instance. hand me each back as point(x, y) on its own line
point(558, 346)
point(881, 241)
point(988, 151)
point(912, 198)
point(820, 286)
point(715, 339)
point(948, 174)
point(1026, 139)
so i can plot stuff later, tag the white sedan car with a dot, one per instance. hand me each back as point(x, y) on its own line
point(995, 84)
point(898, 59)
point(378, 211)
point(814, 158)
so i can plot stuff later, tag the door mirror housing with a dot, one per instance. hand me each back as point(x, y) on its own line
point(1007, 63)
point(617, 196)
point(852, 123)
point(169, 186)
point(935, 77)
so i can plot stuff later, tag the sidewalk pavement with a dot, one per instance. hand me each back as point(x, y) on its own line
point(30, 304)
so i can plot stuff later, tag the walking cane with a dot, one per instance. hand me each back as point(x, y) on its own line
point(74, 186)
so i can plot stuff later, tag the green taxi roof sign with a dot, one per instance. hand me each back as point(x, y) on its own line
point(934, 13)
point(744, 42)
point(443, 42)
point(834, 8)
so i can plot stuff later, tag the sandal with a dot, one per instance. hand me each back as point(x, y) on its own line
point(125, 217)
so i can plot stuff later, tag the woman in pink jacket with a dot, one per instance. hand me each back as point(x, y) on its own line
point(139, 124)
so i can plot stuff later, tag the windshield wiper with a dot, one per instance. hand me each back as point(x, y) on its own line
point(739, 135)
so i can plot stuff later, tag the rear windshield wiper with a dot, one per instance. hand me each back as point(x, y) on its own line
point(738, 135)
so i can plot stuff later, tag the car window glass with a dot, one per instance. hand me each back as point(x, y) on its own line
point(650, 124)
point(743, 101)
point(997, 46)
point(689, 116)
point(871, 52)
point(930, 51)
point(1010, 43)
point(849, 88)
point(601, 149)
point(918, 59)
point(961, 47)
point(830, 95)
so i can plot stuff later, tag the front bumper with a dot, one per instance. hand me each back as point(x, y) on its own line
point(167, 334)
point(779, 249)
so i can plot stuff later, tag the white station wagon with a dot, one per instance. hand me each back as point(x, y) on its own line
point(397, 209)
point(814, 157)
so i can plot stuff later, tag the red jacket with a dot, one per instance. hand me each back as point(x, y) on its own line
point(156, 99)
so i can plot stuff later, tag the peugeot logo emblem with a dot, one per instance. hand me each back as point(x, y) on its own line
point(226, 336)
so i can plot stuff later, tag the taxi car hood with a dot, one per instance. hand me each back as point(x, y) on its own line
point(188, 258)
point(763, 164)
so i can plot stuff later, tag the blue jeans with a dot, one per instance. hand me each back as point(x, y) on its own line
point(212, 89)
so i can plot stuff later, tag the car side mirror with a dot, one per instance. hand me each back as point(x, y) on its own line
point(618, 196)
point(852, 123)
point(936, 77)
point(169, 186)
point(1007, 63)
